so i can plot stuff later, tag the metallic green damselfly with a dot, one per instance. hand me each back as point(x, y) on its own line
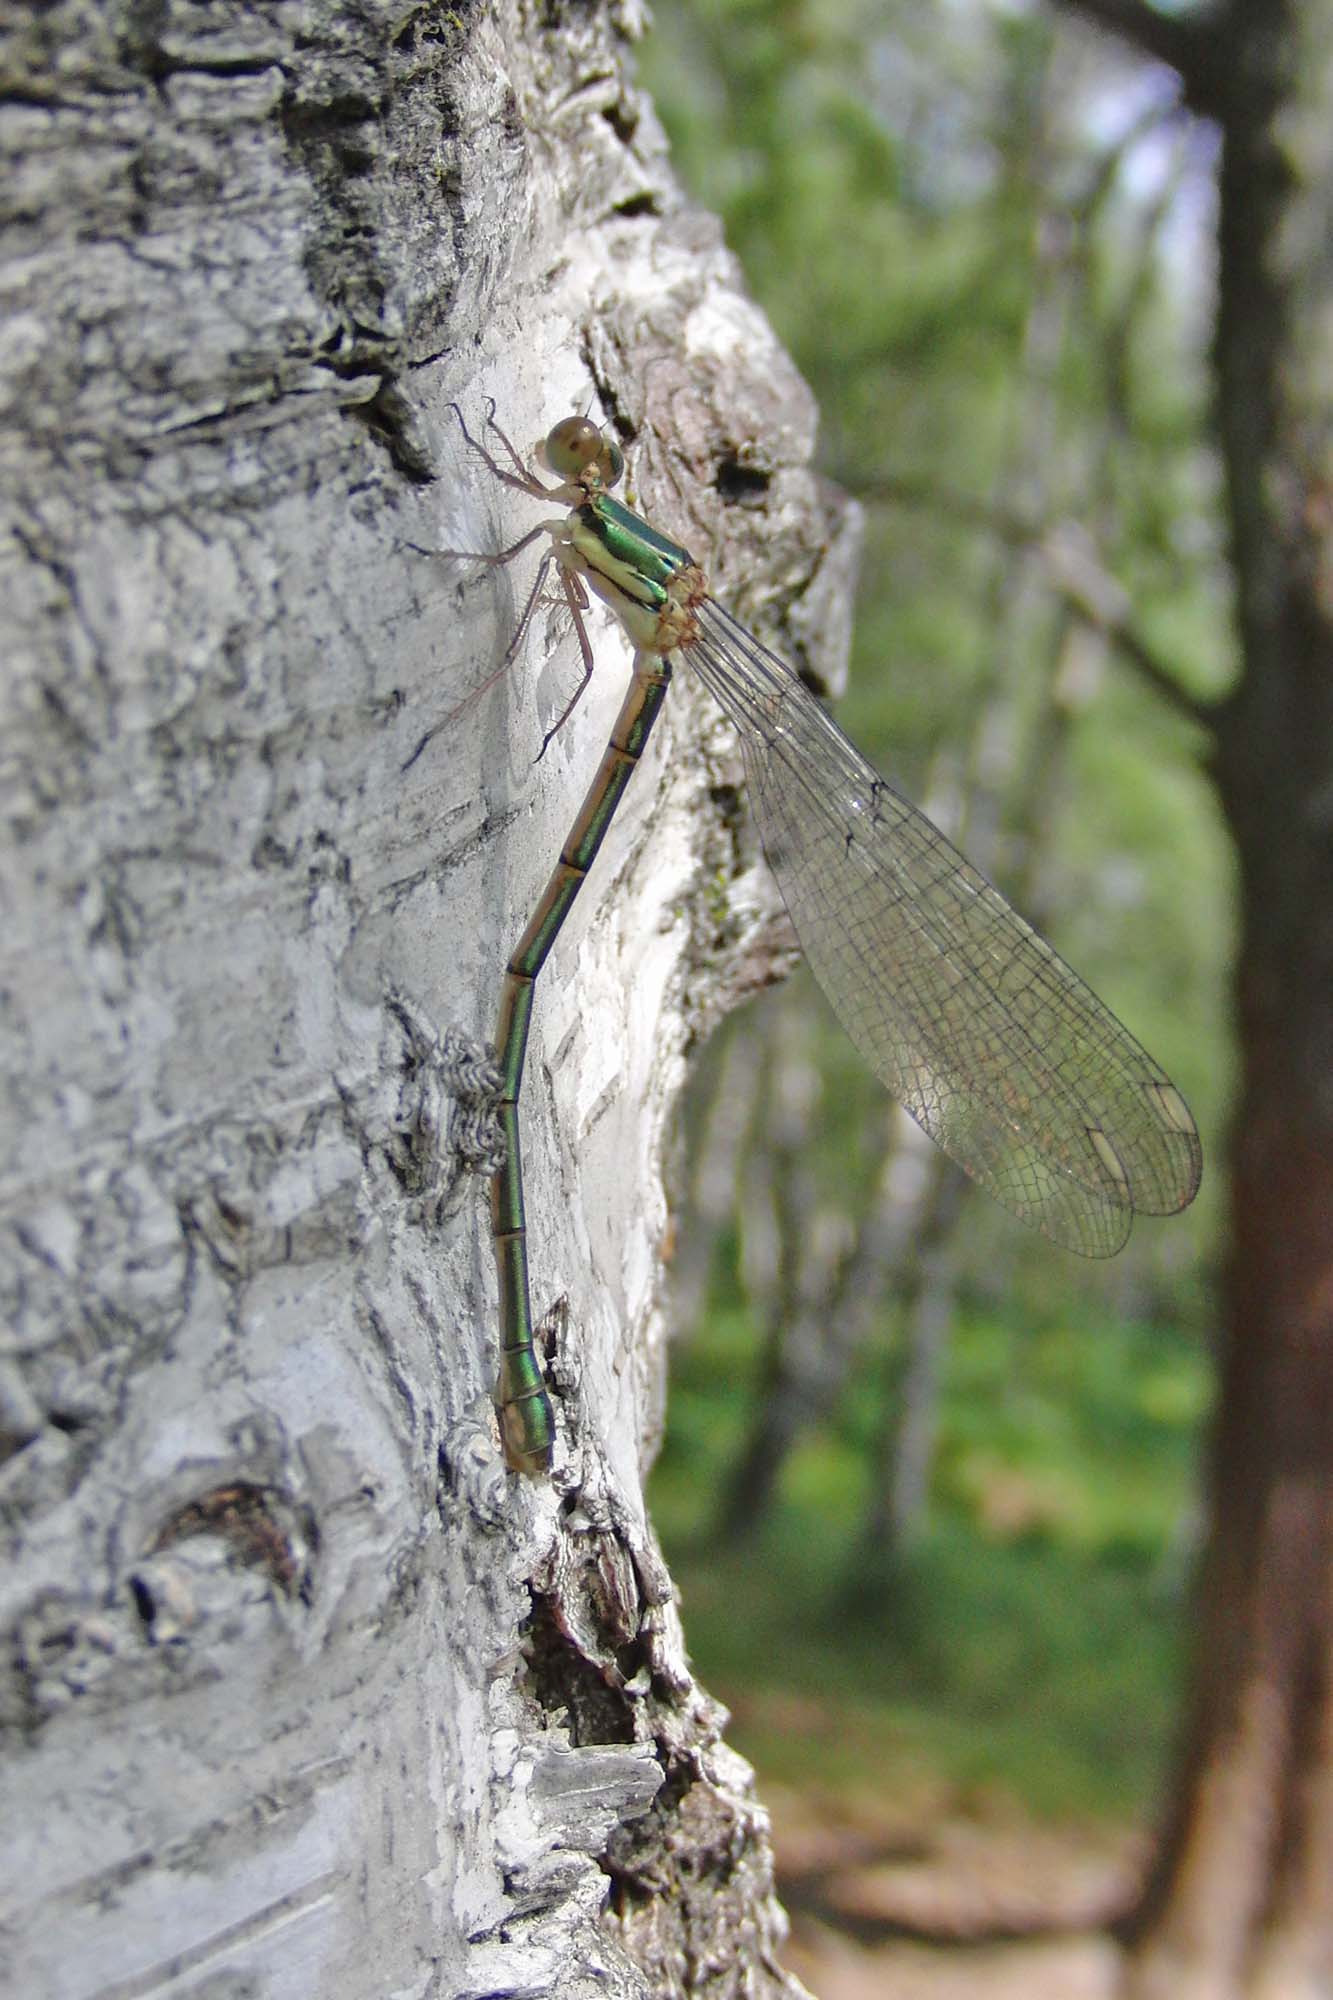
point(996, 1048)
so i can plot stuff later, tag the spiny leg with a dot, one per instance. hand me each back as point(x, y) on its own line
point(496, 561)
point(577, 599)
point(507, 658)
point(522, 476)
point(516, 459)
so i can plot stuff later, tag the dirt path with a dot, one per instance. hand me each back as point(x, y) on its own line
point(930, 1901)
point(834, 1969)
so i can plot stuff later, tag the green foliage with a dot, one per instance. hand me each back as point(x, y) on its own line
point(1029, 1644)
point(987, 285)
point(1000, 299)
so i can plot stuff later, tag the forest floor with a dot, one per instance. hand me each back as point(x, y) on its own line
point(1074, 1969)
point(957, 1750)
point(942, 1903)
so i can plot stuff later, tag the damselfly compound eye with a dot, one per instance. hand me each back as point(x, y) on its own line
point(576, 445)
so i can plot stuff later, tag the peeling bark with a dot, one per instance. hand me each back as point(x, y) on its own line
point(304, 1692)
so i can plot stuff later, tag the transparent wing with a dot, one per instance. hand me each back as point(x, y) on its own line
point(998, 1050)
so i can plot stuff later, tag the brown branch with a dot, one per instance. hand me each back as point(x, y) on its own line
point(1076, 577)
point(949, 503)
point(1194, 45)
point(1073, 573)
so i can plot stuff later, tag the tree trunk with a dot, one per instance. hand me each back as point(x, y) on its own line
point(306, 1694)
point(1241, 1902)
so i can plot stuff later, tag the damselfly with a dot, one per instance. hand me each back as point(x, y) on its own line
point(999, 1051)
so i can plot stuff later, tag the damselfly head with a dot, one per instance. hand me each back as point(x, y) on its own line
point(576, 448)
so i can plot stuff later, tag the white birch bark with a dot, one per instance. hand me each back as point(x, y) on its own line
point(305, 1695)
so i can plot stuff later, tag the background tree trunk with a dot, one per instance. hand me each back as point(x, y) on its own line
point(305, 1693)
point(1241, 1902)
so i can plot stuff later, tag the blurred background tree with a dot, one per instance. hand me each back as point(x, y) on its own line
point(1061, 293)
